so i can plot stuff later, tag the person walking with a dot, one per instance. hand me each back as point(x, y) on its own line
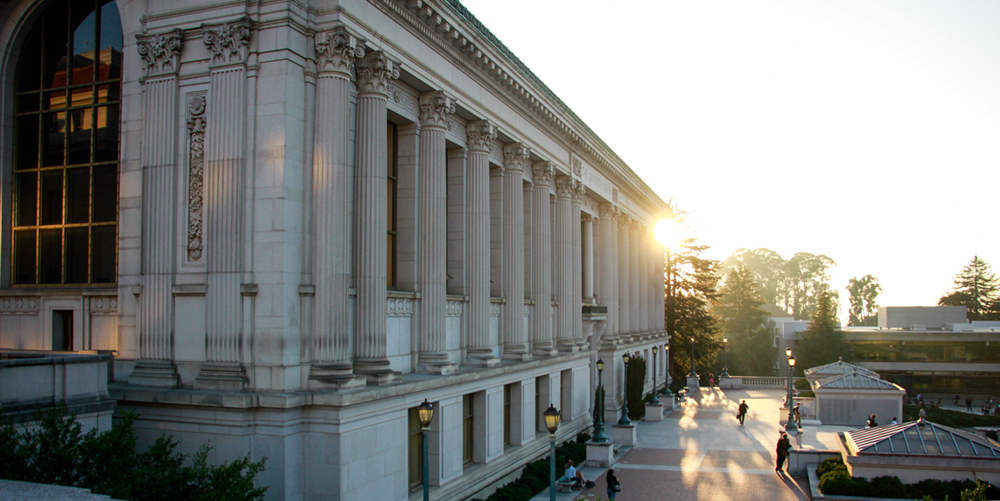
point(614, 486)
point(782, 449)
point(956, 400)
point(968, 404)
point(711, 379)
point(742, 414)
point(871, 421)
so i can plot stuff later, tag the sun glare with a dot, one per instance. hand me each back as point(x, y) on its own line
point(667, 233)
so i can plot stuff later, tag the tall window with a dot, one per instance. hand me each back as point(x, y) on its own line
point(65, 192)
point(467, 430)
point(506, 414)
point(391, 169)
point(416, 455)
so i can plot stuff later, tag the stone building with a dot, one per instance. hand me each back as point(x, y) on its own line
point(293, 221)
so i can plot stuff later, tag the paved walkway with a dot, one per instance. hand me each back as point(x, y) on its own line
point(700, 452)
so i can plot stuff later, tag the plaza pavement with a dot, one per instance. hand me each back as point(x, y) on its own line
point(700, 452)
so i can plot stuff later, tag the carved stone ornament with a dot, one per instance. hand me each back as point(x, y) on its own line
point(606, 211)
point(481, 135)
point(564, 186)
point(579, 190)
point(614, 195)
point(229, 42)
point(160, 52)
point(543, 172)
point(577, 167)
point(375, 71)
point(337, 50)
point(515, 156)
point(196, 175)
point(435, 107)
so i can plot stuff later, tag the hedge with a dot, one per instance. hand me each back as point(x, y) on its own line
point(535, 476)
point(836, 481)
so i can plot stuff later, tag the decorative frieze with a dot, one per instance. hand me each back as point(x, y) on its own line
point(399, 307)
point(229, 42)
point(104, 305)
point(336, 50)
point(160, 53)
point(19, 306)
point(453, 309)
point(196, 174)
point(404, 99)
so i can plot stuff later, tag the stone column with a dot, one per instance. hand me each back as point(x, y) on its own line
point(515, 342)
point(375, 70)
point(636, 296)
point(588, 258)
point(541, 245)
point(624, 279)
point(642, 281)
point(161, 54)
point(607, 287)
point(576, 295)
point(481, 135)
point(336, 52)
point(435, 107)
point(659, 288)
point(655, 273)
point(564, 264)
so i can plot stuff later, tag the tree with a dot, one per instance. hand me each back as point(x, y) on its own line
point(750, 332)
point(975, 288)
point(863, 294)
point(794, 285)
point(690, 287)
point(823, 342)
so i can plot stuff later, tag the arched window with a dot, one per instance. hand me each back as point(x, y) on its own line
point(66, 132)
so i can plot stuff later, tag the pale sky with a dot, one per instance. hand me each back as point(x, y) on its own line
point(868, 131)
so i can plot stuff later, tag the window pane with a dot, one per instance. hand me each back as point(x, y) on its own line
point(28, 102)
point(27, 142)
point(79, 136)
point(54, 51)
point(53, 126)
point(104, 254)
point(55, 100)
point(52, 202)
point(76, 255)
point(107, 134)
point(111, 42)
point(26, 195)
point(78, 195)
point(82, 96)
point(84, 41)
point(24, 257)
point(108, 92)
point(50, 259)
point(105, 194)
point(29, 69)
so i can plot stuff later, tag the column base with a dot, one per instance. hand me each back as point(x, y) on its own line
point(693, 382)
point(221, 377)
point(654, 412)
point(376, 371)
point(625, 434)
point(568, 346)
point(601, 454)
point(516, 351)
point(435, 363)
point(334, 376)
point(154, 373)
point(482, 359)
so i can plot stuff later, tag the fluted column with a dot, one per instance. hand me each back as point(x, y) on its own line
point(336, 52)
point(435, 107)
point(655, 267)
point(642, 281)
point(481, 135)
point(564, 264)
point(375, 71)
point(515, 159)
point(587, 234)
point(624, 279)
point(576, 293)
point(659, 288)
point(541, 245)
point(607, 286)
point(635, 296)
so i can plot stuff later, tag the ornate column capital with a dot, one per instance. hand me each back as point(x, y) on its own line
point(543, 172)
point(606, 211)
point(336, 50)
point(515, 156)
point(435, 107)
point(564, 187)
point(160, 52)
point(375, 70)
point(481, 134)
point(229, 42)
point(579, 190)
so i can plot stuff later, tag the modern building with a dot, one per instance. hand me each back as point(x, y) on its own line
point(292, 222)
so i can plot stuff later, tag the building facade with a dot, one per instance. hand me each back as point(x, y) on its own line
point(294, 221)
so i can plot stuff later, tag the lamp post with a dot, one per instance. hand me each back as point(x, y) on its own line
point(666, 373)
point(788, 398)
point(426, 413)
point(599, 435)
point(790, 425)
point(654, 401)
point(624, 421)
point(725, 357)
point(552, 417)
point(693, 373)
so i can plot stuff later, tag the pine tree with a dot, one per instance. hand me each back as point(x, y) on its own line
point(976, 288)
point(748, 328)
point(823, 342)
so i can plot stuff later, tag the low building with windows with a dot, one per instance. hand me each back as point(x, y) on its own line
point(294, 222)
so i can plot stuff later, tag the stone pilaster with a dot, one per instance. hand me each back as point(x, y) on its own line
point(481, 135)
point(659, 288)
point(642, 281)
point(336, 52)
point(587, 234)
point(636, 294)
point(607, 286)
point(515, 342)
point(541, 245)
point(624, 279)
point(564, 264)
point(375, 71)
point(655, 267)
point(576, 294)
point(435, 108)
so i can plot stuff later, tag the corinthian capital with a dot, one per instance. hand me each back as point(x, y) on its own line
point(515, 156)
point(229, 42)
point(337, 49)
point(579, 190)
point(375, 71)
point(543, 172)
point(481, 135)
point(606, 211)
point(564, 186)
point(435, 107)
point(160, 52)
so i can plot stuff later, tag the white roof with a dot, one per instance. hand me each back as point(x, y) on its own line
point(839, 367)
point(920, 437)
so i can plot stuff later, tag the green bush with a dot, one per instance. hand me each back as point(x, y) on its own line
point(835, 480)
point(806, 394)
point(535, 476)
point(636, 380)
point(802, 384)
point(834, 463)
point(889, 487)
point(107, 463)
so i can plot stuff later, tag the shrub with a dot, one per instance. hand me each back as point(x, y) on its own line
point(807, 393)
point(834, 463)
point(802, 384)
point(535, 476)
point(889, 487)
point(636, 381)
